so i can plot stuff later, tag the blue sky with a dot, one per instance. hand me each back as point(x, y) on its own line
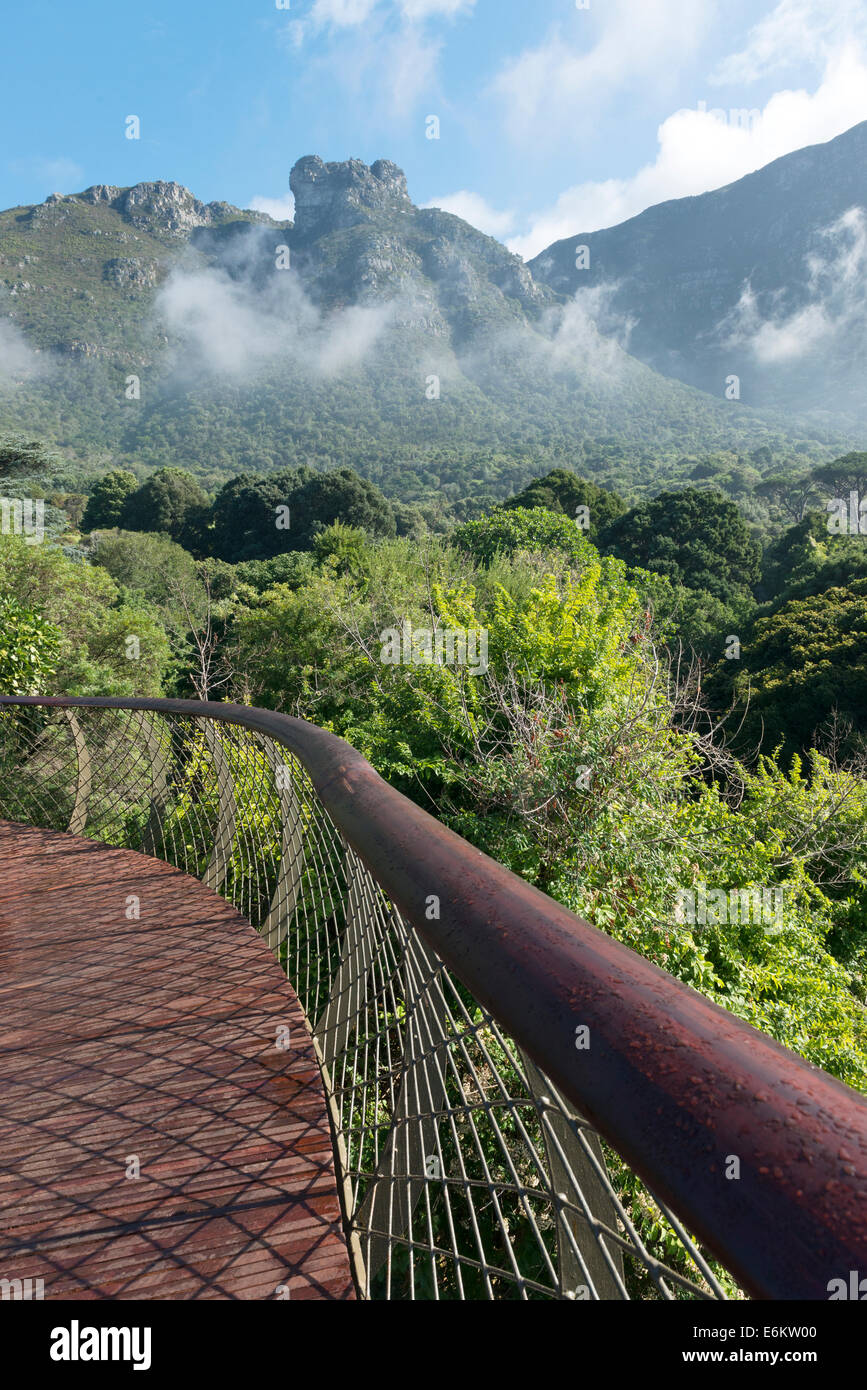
point(554, 119)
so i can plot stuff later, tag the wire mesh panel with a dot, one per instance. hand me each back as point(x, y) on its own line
point(465, 1173)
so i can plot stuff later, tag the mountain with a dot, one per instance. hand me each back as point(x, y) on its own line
point(143, 325)
point(765, 279)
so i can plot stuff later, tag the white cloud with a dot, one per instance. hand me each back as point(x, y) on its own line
point(473, 208)
point(60, 175)
point(560, 83)
point(836, 301)
point(345, 14)
point(569, 344)
point(377, 55)
point(699, 151)
point(237, 326)
point(796, 31)
point(428, 9)
point(389, 59)
point(18, 361)
point(403, 66)
point(281, 209)
point(342, 13)
point(347, 337)
point(576, 341)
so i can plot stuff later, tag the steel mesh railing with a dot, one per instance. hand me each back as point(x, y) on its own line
point(465, 1172)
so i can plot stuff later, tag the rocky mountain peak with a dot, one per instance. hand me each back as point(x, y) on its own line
point(161, 206)
point(340, 195)
point(170, 205)
point(100, 193)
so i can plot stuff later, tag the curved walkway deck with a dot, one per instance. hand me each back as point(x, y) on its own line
point(150, 1046)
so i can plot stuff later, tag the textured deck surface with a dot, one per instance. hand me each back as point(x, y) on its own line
point(150, 1046)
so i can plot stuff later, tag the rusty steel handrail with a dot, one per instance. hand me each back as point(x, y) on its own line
point(677, 1085)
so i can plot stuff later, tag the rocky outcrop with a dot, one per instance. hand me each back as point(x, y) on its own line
point(161, 206)
point(427, 257)
point(99, 193)
point(330, 197)
point(130, 272)
point(168, 205)
point(455, 243)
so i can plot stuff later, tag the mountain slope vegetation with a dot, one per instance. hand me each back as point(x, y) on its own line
point(142, 325)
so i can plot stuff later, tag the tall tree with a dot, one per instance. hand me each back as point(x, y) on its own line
point(169, 501)
point(20, 455)
point(106, 501)
point(697, 538)
point(792, 494)
point(844, 475)
point(563, 491)
point(262, 516)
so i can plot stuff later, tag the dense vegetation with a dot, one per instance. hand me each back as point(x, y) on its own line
point(588, 754)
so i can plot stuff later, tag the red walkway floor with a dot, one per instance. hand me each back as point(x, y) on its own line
point(149, 1046)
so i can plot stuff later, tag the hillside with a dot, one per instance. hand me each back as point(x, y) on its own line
point(398, 339)
point(764, 278)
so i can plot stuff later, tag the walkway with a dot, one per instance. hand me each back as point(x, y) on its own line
point(155, 1142)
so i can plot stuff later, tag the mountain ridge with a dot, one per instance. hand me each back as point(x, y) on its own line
point(723, 281)
point(402, 340)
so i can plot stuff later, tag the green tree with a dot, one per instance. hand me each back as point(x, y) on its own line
point(293, 569)
point(505, 532)
point(342, 496)
point(566, 760)
point(793, 495)
point(807, 558)
point(19, 455)
point(802, 667)
point(409, 520)
point(342, 549)
point(697, 538)
point(844, 475)
point(155, 568)
point(73, 504)
point(169, 501)
point(93, 621)
point(245, 515)
point(106, 501)
point(28, 648)
point(262, 516)
point(563, 491)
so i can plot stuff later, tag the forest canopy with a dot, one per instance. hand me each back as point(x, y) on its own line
point(671, 694)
